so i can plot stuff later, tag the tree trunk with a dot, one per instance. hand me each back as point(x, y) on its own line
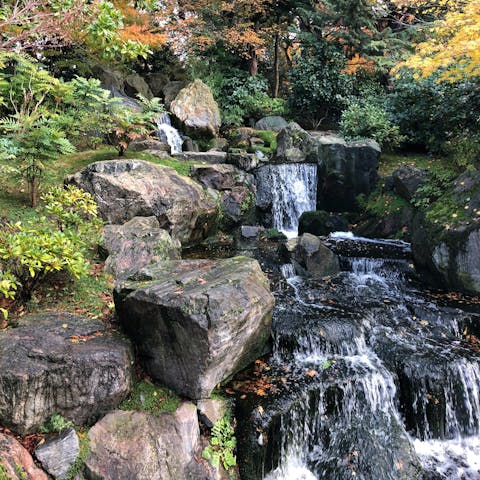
point(276, 67)
point(253, 70)
point(33, 192)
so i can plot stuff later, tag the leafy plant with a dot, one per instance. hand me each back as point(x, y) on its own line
point(222, 444)
point(3, 473)
point(56, 424)
point(367, 120)
point(151, 398)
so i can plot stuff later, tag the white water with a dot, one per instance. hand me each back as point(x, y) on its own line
point(294, 191)
point(168, 134)
point(457, 457)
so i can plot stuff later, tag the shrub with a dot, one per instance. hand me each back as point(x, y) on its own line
point(56, 424)
point(31, 252)
point(367, 120)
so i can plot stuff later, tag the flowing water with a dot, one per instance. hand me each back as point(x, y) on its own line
point(293, 190)
point(169, 134)
point(372, 379)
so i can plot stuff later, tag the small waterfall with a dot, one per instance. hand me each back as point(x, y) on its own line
point(168, 134)
point(293, 190)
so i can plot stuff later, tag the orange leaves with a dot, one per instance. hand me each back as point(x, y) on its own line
point(85, 338)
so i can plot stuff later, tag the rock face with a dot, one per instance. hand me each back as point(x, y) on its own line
point(196, 109)
point(17, 462)
point(241, 159)
point(59, 454)
point(311, 257)
point(128, 445)
point(345, 170)
point(407, 180)
point(274, 123)
point(124, 189)
point(451, 251)
point(137, 243)
point(59, 363)
point(196, 322)
point(237, 191)
point(321, 223)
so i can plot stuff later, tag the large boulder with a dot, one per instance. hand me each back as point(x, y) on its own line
point(196, 110)
point(407, 180)
point(295, 145)
point(137, 243)
point(242, 159)
point(124, 189)
point(311, 257)
point(273, 123)
point(16, 463)
point(60, 363)
point(196, 322)
point(170, 91)
point(321, 223)
point(128, 445)
point(237, 191)
point(449, 247)
point(345, 170)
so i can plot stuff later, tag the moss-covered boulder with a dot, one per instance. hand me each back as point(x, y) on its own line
point(446, 236)
point(196, 322)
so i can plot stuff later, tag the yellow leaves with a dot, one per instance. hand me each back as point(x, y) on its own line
point(453, 45)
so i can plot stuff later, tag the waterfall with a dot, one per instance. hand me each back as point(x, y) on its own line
point(168, 134)
point(395, 393)
point(293, 190)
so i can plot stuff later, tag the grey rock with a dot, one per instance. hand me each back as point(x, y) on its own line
point(196, 110)
point(211, 410)
point(43, 372)
point(135, 84)
point(407, 180)
point(212, 156)
point(128, 445)
point(170, 91)
point(143, 145)
point(59, 454)
point(274, 123)
point(137, 243)
point(250, 231)
point(311, 257)
point(190, 145)
point(243, 160)
point(221, 177)
point(196, 322)
point(124, 189)
point(295, 145)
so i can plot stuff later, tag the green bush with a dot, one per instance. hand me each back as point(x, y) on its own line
point(33, 251)
point(367, 120)
point(431, 113)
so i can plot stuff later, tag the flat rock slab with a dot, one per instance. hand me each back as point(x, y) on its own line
point(208, 157)
point(17, 462)
point(60, 363)
point(124, 189)
point(196, 322)
point(128, 445)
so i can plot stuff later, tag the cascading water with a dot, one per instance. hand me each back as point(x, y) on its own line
point(169, 134)
point(377, 381)
point(293, 190)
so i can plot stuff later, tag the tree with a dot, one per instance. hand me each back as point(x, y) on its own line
point(452, 46)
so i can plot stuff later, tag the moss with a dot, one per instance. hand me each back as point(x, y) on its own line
point(79, 463)
point(151, 398)
point(3, 473)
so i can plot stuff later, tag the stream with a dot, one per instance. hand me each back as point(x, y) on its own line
point(370, 377)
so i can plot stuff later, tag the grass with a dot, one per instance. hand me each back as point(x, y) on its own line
point(77, 467)
point(391, 161)
point(154, 399)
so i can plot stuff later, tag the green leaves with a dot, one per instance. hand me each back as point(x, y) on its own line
point(222, 445)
